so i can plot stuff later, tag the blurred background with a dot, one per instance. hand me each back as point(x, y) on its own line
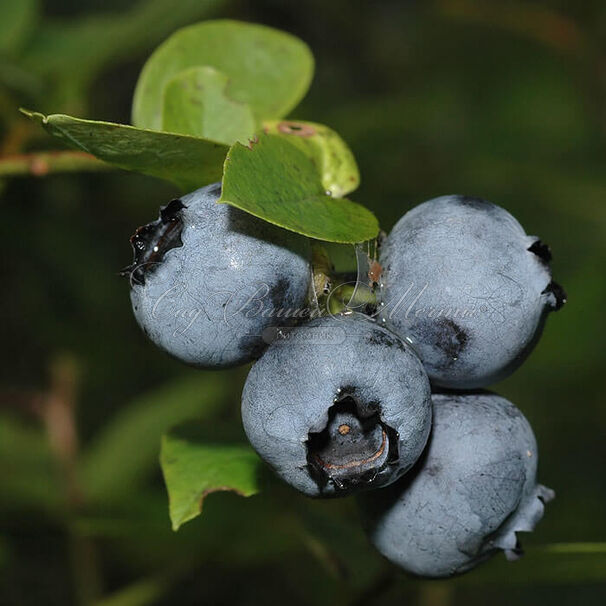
point(503, 100)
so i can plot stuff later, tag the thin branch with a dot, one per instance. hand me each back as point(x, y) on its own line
point(58, 413)
point(40, 164)
point(59, 416)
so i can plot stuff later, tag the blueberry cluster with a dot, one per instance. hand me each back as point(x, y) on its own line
point(342, 403)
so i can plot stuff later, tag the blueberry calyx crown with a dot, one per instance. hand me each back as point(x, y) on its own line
point(152, 241)
point(558, 293)
point(352, 449)
point(541, 250)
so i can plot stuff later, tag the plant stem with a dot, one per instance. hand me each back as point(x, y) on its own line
point(362, 295)
point(40, 164)
point(58, 413)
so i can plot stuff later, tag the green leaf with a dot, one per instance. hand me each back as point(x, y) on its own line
point(194, 468)
point(333, 159)
point(267, 69)
point(126, 451)
point(186, 161)
point(276, 181)
point(17, 20)
point(196, 103)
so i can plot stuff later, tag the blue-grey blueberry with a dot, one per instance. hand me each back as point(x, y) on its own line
point(470, 493)
point(465, 285)
point(338, 405)
point(208, 279)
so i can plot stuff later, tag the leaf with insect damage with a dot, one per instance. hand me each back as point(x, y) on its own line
point(194, 468)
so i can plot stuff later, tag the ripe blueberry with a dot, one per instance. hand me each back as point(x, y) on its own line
point(338, 405)
point(468, 288)
point(208, 279)
point(468, 496)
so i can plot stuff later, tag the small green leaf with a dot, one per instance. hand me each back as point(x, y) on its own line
point(196, 103)
point(188, 162)
point(276, 181)
point(267, 69)
point(194, 468)
point(333, 159)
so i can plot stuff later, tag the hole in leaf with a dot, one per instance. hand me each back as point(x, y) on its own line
point(296, 128)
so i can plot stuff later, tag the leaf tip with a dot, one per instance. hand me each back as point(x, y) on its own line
point(37, 117)
point(32, 115)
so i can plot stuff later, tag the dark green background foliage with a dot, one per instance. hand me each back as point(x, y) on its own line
point(502, 100)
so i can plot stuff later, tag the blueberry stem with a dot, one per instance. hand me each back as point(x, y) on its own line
point(348, 297)
point(338, 292)
point(360, 296)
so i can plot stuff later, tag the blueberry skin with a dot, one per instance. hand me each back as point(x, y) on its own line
point(338, 405)
point(207, 299)
point(468, 288)
point(469, 494)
